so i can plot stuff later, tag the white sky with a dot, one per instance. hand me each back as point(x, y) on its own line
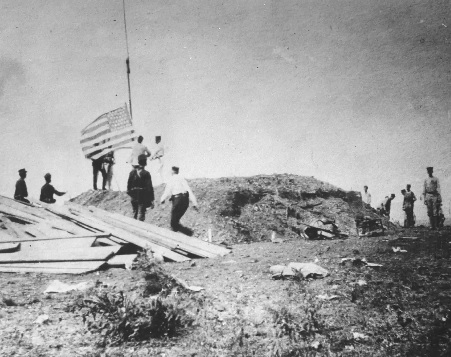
point(351, 92)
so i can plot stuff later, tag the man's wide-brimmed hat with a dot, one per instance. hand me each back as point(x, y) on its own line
point(22, 171)
point(429, 168)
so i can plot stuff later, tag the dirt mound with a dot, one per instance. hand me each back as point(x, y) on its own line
point(244, 209)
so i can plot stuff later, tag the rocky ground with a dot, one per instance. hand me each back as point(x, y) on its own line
point(401, 308)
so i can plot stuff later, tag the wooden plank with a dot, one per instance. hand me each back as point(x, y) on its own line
point(45, 230)
point(23, 207)
point(32, 239)
point(5, 236)
point(164, 238)
point(55, 222)
point(14, 229)
point(134, 239)
point(156, 239)
point(90, 254)
point(153, 239)
point(53, 268)
point(101, 242)
point(131, 238)
point(9, 247)
point(54, 213)
point(125, 260)
point(166, 233)
point(58, 244)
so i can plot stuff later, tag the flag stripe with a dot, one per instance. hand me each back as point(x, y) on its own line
point(94, 122)
point(94, 126)
point(107, 135)
point(114, 147)
point(96, 131)
point(119, 139)
point(89, 147)
point(95, 136)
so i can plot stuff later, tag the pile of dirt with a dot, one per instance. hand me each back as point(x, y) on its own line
point(248, 209)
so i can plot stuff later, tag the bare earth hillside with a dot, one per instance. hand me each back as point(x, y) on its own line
point(244, 209)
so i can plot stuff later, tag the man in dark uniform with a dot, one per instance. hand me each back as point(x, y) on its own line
point(47, 191)
point(140, 189)
point(21, 187)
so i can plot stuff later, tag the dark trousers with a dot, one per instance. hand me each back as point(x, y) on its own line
point(180, 204)
point(139, 210)
point(95, 174)
point(409, 217)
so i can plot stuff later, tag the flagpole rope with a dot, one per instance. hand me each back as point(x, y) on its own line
point(127, 61)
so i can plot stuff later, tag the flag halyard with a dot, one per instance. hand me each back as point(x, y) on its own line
point(109, 132)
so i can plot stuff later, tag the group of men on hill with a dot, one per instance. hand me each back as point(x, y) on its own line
point(432, 199)
point(47, 191)
point(140, 187)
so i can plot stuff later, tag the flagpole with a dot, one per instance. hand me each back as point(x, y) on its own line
point(127, 61)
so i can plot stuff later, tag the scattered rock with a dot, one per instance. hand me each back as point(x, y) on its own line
point(359, 262)
point(42, 319)
point(277, 269)
point(229, 262)
point(327, 297)
point(398, 250)
point(309, 270)
point(57, 286)
point(359, 336)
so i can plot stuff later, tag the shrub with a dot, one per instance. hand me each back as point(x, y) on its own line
point(118, 319)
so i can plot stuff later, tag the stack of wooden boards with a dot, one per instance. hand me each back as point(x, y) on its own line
point(73, 239)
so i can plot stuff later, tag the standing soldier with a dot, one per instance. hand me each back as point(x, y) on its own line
point(180, 194)
point(432, 197)
point(140, 189)
point(408, 204)
point(366, 197)
point(21, 187)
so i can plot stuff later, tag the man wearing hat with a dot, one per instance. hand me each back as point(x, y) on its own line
point(432, 197)
point(140, 189)
point(47, 191)
point(180, 194)
point(21, 187)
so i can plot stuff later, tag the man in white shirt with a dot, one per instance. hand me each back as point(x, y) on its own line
point(366, 197)
point(178, 191)
point(138, 149)
point(158, 156)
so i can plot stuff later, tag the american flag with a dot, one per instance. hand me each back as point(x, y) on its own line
point(110, 131)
